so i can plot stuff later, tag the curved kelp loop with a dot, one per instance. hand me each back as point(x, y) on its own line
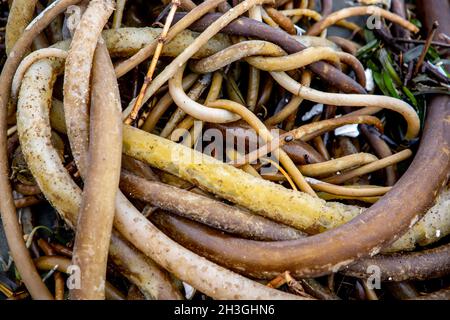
point(193, 108)
point(356, 11)
point(28, 61)
point(205, 210)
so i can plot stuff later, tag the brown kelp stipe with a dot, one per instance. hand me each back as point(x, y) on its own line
point(205, 210)
point(91, 243)
point(422, 265)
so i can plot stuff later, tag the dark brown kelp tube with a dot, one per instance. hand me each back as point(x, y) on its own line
point(77, 77)
point(435, 10)
point(299, 151)
point(399, 8)
point(251, 28)
point(205, 210)
point(421, 265)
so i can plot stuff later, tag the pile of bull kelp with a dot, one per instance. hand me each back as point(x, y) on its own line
point(255, 149)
